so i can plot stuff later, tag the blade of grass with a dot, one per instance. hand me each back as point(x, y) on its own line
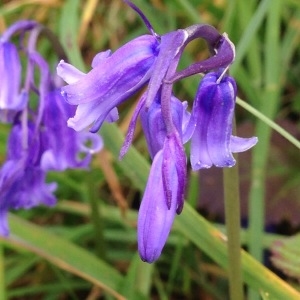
point(190, 10)
point(290, 41)
point(69, 22)
point(31, 292)
point(243, 45)
point(21, 265)
point(268, 107)
point(253, 57)
point(269, 122)
point(260, 152)
point(96, 216)
point(138, 278)
point(2, 273)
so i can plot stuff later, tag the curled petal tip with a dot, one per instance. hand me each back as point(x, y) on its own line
point(238, 144)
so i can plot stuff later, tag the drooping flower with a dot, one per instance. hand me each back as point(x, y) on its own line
point(166, 126)
point(12, 100)
point(212, 142)
point(10, 69)
point(113, 79)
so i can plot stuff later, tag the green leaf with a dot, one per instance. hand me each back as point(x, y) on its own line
point(68, 33)
point(138, 278)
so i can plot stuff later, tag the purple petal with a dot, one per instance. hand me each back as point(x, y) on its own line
point(86, 113)
point(238, 144)
point(69, 73)
point(100, 57)
point(4, 230)
point(174, 161)
point(112, 116)
point(22, 181)
point(10, 70)
point(186, 133)
point(220, 124)
point(131, 127)
point(171, 44)
point(94, 141)
point(201, 113)
point(111, 82)
point(154, 219)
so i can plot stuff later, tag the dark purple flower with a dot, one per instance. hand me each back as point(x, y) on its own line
point(112, 80)
point(212, 142)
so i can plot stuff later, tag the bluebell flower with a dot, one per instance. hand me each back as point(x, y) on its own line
point(153, 60)
point(167, 126)
point(113, 79)
point(11, 101)
point(212, 142)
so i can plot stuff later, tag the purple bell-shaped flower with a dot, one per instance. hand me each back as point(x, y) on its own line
point(212, 142)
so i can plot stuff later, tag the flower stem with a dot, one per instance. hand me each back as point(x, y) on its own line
point(2, 273)
point(232, 215)
point(262, 117)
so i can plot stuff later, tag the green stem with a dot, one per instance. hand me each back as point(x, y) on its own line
point(212, 242)
point(2, 273)
point(232, 215)
point(268, 122)
point(96, 217)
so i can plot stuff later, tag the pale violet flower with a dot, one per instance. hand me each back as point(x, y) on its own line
point(212, 142)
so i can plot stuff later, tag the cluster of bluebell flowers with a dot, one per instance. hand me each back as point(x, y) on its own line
point(167, 122)
point(40, 140)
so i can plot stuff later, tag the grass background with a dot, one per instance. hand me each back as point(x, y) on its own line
point(85, 247)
